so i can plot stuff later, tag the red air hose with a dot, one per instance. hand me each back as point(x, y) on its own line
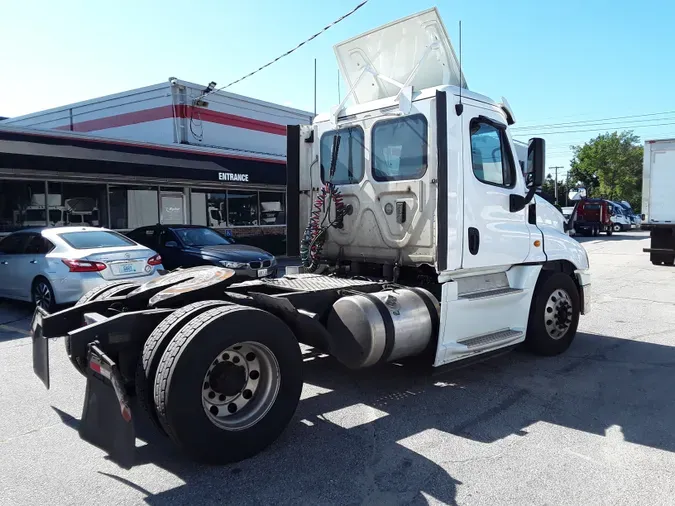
point(315, 233)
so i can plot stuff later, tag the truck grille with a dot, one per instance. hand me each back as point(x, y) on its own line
point(259, 264)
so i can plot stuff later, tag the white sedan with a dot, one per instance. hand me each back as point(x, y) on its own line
point(50, 266)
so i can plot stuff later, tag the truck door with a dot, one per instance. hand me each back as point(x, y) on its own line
point(493, 235)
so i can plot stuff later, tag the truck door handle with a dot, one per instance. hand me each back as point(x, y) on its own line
point(33, 261)
point(400, 212)
point(474, 240)
point(3, 263)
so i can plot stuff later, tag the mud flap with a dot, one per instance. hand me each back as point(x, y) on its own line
point(106, 416)
point(40, 347)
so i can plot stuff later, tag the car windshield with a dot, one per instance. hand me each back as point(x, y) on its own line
point(201, 237)
point(95, 239)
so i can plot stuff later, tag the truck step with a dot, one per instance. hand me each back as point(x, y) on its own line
point(492, 340)
point(487, 294)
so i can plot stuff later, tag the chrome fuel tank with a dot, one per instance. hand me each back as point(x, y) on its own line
point(371, 328)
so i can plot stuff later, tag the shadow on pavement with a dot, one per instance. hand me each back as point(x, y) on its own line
point(15, 319)
point(327, 457)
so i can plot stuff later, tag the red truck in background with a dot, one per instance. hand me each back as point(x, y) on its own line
point(592, 216)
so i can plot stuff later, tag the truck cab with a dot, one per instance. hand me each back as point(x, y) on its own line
point(426, 178)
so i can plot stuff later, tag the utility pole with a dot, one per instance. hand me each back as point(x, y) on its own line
point(556, 182)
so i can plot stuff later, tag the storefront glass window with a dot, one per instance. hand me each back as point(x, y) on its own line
point(22, 205)
point(242, 208)
point(77, 204)
point(272, 208)
point(208, 209)
point(133, 206)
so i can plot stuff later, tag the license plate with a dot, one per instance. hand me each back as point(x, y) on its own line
point(125, 268)
point(262, 272)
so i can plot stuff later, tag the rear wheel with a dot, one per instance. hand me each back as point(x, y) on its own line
point(229, 383)
point(42, 294)
point(154, 347)
point(554, 315)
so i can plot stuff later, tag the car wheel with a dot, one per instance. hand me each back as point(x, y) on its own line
point(617, 227)
point(43, 294)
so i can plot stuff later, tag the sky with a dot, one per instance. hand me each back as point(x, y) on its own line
point(575, 63)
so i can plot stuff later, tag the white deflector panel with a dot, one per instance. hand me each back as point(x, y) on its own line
point(413, 51)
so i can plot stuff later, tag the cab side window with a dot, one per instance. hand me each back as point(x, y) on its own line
point(350, 157)
point(490, 155)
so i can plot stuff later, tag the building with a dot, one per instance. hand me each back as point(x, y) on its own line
point(161, 154)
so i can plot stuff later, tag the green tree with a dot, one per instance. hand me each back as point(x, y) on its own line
point(610, 166)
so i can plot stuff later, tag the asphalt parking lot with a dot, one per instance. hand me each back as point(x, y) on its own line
point(593, 426)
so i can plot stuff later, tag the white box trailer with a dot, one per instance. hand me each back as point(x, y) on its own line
point(170, 113)
point(658, 205)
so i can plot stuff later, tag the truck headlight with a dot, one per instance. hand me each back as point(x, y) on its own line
point(233, 265)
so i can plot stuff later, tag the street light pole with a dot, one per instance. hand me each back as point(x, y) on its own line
point(556, 182)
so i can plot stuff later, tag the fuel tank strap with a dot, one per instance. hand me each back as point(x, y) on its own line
point(433, 313)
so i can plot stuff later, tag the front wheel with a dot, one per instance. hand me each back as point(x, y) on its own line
point(617, 227)
point(554, 315)
point(229, 383)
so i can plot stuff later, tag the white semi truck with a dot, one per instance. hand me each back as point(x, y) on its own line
point(419, 237)
point(658, 205)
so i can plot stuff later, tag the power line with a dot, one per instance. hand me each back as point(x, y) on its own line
point(290, 51)
point(592, 121)
point(623, 127)
point(604, 123)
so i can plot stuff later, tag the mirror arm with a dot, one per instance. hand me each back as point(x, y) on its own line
point(518, 202)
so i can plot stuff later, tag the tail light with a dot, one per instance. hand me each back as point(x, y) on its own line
point(156, 260)
point(84, 265)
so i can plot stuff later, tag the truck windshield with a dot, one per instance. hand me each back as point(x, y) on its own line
point(201, 237)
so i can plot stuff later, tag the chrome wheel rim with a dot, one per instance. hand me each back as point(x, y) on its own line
point(42, 295)
point(558, 314)
point(241, 385)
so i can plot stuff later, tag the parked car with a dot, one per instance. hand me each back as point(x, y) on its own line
point(192, 245)
point(50, 266)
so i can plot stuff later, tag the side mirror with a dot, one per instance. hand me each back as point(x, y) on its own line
point(536, 162)
point(171, 244)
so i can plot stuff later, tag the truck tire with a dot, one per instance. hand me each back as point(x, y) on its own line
point(554, 315)
point(100, 292)
point(228, 384)
point(154, 347)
